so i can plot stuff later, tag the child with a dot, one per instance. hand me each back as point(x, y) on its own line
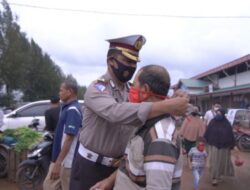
point(197, 160)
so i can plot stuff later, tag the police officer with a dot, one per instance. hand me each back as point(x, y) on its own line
point(109, 119)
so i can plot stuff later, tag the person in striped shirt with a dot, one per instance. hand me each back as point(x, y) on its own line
point(197, 160)
point(152, 157)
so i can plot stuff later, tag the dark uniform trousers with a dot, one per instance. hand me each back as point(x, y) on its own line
point(92, 172)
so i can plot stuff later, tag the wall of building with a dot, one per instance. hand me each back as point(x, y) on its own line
point(227, 101)
point(195, 91)
point(241, 78)
point(192, 90)
point(226, 82)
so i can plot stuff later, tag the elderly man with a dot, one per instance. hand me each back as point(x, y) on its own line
point(65, 141)
point(152, 159)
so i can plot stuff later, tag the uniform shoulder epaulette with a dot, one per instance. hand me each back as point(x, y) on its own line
point(101, 80)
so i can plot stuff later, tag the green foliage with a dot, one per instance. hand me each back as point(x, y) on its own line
point(81, 92)
point(1, 137)
point(43, 76)
point(25, 137)
point(6, 100)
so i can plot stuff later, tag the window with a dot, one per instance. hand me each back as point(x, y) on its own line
point(34, 110)
point(242, 118)
point(247, 119)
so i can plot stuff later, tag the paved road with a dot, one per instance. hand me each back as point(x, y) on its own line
point(241, 180)
point(6, 185)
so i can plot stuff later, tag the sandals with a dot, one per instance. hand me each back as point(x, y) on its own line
point(214, 182)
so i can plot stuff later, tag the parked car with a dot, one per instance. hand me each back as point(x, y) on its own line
point(26, 114)
point(240, 121)
point(239, 116)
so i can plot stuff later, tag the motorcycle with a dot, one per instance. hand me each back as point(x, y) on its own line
point(3, 160)
point(32, 172)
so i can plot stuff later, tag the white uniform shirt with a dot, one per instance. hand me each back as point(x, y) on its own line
point(209, 115)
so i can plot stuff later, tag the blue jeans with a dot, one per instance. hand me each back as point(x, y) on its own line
point(197, 175)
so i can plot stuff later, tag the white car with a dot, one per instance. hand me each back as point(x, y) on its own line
point(239, 116)
point(25, 115)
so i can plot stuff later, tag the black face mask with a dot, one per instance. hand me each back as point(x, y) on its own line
point(121, 69)
point(194, 114)
point(218, 117)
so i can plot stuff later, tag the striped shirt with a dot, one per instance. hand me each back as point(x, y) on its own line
point(198, 157)
point(152, 158)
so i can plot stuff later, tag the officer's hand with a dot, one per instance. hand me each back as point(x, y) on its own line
point(178, 105)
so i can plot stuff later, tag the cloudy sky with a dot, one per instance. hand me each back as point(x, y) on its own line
point(187, 37)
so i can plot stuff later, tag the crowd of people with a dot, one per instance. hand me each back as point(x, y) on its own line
point(126, 135)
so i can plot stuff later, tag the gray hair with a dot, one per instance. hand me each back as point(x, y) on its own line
point(157, 77)
point(71, 84)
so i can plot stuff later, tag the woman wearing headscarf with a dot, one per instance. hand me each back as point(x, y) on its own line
point(220, 140)
point(192, 128)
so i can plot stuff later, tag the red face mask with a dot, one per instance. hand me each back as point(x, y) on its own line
point(134, 95)
point(201, 147)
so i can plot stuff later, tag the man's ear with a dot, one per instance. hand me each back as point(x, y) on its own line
point(147, 88)
point(71, 91)
point(112, 62)
point(109, 60)
point(144, 91)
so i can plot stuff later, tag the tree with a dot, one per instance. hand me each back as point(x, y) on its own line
point(23, 64)
point(12, 46)
point(81, 92)
point(43, 76)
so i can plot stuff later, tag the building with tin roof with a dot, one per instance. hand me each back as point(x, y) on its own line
point(228, 84)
